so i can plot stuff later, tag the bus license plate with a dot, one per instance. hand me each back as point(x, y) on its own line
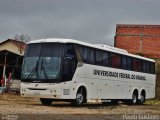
point(36, 94)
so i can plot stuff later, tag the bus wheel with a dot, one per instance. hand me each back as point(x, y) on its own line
point(80, 98)
point(142, 99)
point(134, 99)
point(46, 101)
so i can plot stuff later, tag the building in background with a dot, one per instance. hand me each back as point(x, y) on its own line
point(11, 57)
point(139, 39)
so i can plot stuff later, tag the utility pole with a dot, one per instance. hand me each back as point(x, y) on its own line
point(4, 67)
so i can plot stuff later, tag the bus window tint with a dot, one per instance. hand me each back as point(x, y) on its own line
point(87, 54)
point(69, 51)
point(137, 66)
point(33, 50)
point(152, 68)
point(129, 63)
point(124, 62)
point(144, 67)
point(115, 60)
point(51, 50)
point(147, 67)
point(69, 63)
point(101, 58)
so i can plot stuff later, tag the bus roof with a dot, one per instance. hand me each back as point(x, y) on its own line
point(98, 46)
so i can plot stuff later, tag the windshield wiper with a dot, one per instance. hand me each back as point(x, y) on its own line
point(33, 70)
point(44, 70)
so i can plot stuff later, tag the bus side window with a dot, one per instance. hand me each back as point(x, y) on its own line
point(102, 58)
point(152, 68)
point(129, 63)
point(124, 62)
point(144, 67)
point(115, 60)
point(137, 66)
point(87, 54)
point(147, 67)
point(69, 63)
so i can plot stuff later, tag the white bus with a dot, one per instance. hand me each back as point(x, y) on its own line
point(70, 70)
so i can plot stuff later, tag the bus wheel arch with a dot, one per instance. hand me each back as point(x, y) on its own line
point(81, 97)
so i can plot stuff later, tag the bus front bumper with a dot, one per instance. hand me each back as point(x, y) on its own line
point(41, 93)
point(55, 91)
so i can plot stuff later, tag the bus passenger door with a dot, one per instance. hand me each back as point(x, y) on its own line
point(69, 63)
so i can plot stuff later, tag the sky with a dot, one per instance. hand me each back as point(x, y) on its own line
point(92, 21)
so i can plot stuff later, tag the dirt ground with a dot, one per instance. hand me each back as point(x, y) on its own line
point(15, 107)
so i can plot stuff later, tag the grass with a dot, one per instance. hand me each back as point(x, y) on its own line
point(152, 102)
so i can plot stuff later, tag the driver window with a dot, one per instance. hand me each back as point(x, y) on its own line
point(70, 52)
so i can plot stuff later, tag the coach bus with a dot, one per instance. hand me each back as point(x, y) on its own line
point(70, 70)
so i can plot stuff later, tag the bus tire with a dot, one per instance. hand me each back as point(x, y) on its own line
point(134, 99)
point(142, 98)
point(80, 97)
point(46, 101)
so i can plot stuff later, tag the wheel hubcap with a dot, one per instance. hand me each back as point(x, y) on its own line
point(79, 98)
point(142, 98)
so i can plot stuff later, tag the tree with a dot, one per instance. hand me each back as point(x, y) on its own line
point(22, 38)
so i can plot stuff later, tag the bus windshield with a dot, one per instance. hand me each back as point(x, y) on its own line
point(42, 62)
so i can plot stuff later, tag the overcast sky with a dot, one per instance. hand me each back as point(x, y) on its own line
point(92, 21)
